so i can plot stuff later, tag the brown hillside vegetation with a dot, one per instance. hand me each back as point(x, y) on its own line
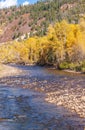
point(35, 19)
point(15, 28)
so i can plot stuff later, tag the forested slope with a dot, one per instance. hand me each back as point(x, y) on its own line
point(25, 21)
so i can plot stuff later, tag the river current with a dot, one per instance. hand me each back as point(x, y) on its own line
point(23, 104)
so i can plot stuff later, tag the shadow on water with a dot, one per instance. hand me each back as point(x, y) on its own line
point(26, 109)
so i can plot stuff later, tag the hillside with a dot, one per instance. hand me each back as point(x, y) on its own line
point(35, 19)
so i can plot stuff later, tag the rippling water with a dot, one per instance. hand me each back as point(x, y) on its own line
point(23, 105)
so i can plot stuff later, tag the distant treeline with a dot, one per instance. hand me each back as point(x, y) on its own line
point(62, 46)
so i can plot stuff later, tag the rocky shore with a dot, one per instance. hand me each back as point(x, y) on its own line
point(73, 100)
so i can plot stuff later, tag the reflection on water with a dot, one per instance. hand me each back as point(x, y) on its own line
point(25, 109)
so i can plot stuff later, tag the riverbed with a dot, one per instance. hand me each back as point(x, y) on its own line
point(41, 98)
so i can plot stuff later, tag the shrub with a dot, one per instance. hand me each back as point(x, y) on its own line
point(64, 65)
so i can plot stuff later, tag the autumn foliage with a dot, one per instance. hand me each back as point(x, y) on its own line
point(63, 43)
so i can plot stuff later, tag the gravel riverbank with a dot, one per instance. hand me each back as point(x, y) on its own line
point(6, 70)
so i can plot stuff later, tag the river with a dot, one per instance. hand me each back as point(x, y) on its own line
point(38, 98)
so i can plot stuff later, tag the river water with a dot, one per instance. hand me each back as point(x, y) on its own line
point(23, 105)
